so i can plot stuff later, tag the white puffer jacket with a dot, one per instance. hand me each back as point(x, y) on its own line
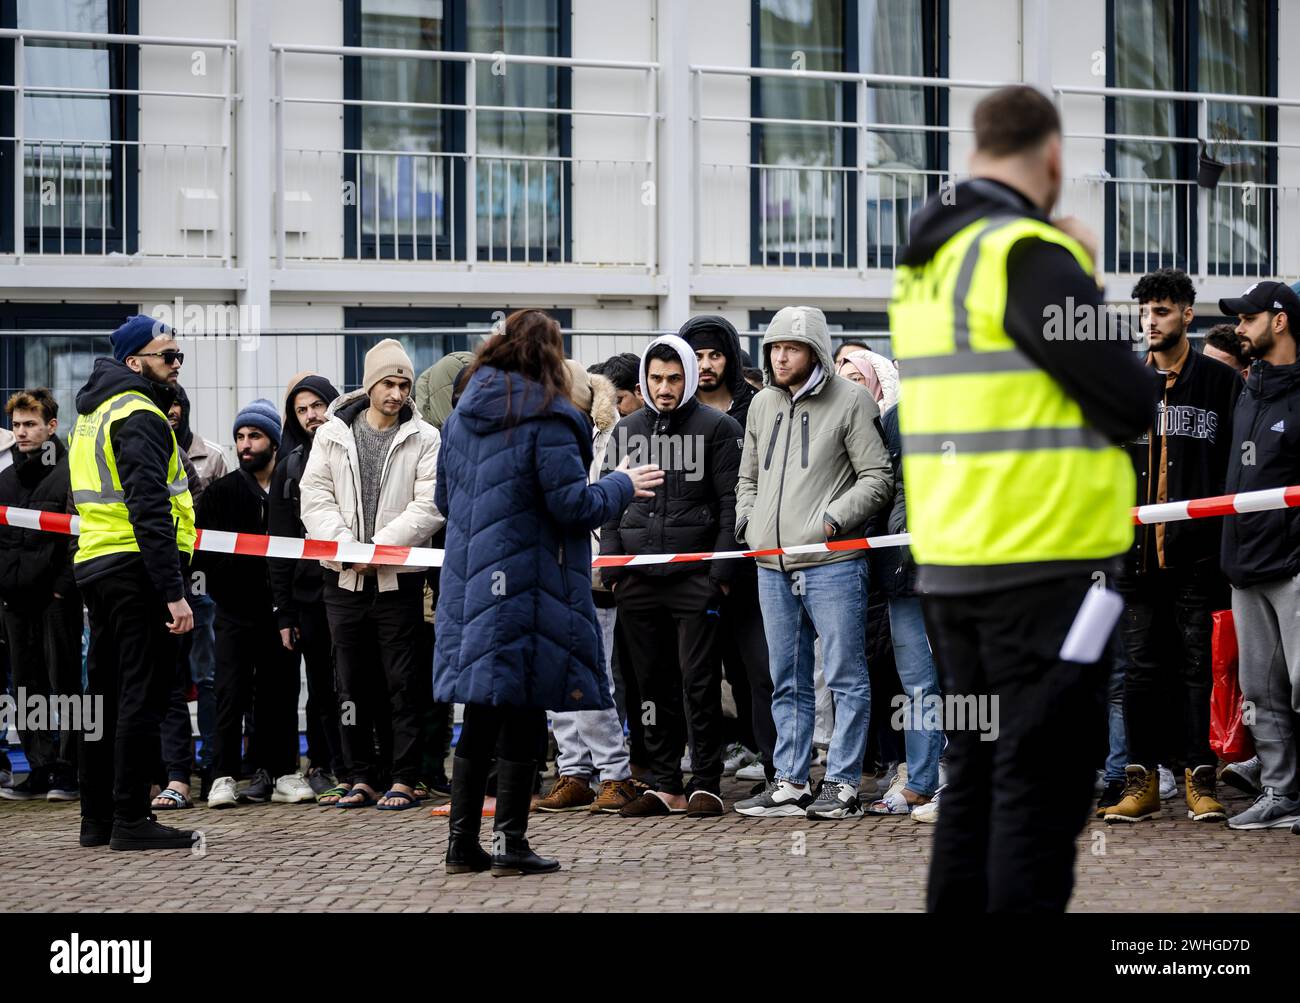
point(331, 487)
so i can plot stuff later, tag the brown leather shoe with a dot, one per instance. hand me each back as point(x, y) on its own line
point(648, 805)
point(1202, 805)
point(703, 805)
point(613, 796)
point(568, 794)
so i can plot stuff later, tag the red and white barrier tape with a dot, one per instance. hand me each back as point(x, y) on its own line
point(253, 545)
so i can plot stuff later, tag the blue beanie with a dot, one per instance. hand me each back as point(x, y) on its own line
point(138, 331)
point(260, 414)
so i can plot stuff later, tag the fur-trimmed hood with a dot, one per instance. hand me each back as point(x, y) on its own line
point(604, 403)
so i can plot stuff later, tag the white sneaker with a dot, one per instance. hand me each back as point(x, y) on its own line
point(686, 763)
point(735, 758)
point(754, 771)
point(292, 788)
point(928, 812)
point(1243, 776)
point(223, 794)
point(1168, 785)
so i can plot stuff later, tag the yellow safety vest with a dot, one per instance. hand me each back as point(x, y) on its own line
point(1000, 465)
point(97, 488)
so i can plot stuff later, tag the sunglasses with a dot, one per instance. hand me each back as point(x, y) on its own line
point(170, 357)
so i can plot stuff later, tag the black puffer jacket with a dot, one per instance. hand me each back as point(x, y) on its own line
point(239, 585)
point(695, 509)
point(1261, 547)
point(34, 565)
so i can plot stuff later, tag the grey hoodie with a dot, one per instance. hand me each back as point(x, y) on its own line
point(819, 459)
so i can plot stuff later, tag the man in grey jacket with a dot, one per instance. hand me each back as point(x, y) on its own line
point(814, 470)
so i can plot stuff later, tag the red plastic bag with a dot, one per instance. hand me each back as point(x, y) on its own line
point(1229, 737)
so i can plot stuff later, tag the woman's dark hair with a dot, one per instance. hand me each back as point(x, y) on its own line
point(531, 345)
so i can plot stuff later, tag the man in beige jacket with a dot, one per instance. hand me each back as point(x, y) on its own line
point(370, 479)
point(814, 469)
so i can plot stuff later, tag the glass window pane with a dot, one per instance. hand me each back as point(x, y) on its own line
point(68, 156)
point(402, 183)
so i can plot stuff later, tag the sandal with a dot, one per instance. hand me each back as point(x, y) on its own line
point(174, 800)
point(412, 801)
point(335, 792)
point(368, 800)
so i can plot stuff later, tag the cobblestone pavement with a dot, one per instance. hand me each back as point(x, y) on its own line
point(289, 858)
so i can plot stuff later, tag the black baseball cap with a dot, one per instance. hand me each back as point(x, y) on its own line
point(1273, 297)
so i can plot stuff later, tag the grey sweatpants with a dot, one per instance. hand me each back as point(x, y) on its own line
point(1267, 622)
point(590, 742)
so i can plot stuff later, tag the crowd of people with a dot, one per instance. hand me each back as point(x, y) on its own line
point(655, 681)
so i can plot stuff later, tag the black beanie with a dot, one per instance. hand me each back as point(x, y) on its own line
point(707, 336)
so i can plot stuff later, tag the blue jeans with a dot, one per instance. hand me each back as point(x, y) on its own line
point(827, 601)
point(203, 665)
point(920, 679)
point(1118, 757)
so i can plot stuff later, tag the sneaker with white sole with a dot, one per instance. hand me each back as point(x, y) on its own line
point(834, 802)
point(223, 793)
point(736, 757)
point(1271, 810)
point(1168, 785)
point(928, 812)
point(1243, 776)
point(779, 798)
point(293, 788)
point(754, 771)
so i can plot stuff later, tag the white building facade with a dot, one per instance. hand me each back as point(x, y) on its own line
point(286, 179)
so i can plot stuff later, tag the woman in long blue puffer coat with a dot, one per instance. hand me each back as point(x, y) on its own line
point(516, 628)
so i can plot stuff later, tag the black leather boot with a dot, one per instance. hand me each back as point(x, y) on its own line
point(511, 854)
point(468, 784)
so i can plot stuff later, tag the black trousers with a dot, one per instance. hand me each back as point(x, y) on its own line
point(382, 686)
point(1167, 626)
point(324, 743)
point(627, 698)
point(510, 733)
point(130, 668)
point(255, 674)
point(744, 660)
point(46, 650)
point(672, 628)
point(437, 724)
point(177, 734)
point(1014, 807)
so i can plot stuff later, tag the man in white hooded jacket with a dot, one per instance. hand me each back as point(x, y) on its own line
point(370, 479)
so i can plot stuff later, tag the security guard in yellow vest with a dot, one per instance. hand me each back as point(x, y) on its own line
point(137, 535)
point(1015, 391)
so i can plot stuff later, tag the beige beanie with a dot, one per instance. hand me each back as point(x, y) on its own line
point(388, 358)
point(579, 386)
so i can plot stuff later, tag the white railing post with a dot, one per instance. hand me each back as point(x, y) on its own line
point(280, 200)
point(697, 168)
point(20, 157)
point(860, 206)
point(1203, 194)
point(471, 165)
point(651, 169)
point(228, 59)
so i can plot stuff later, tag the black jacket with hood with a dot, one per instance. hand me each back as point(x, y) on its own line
point(142, 445)
point(741, 392)
point(1261, 547)
point(34, 565)
point(1197, 428)
point(239, 585)
point(1104, 377)
point(694, 510)
point(293, 583)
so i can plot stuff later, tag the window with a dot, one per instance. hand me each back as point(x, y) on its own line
point(424, 349)
point(61, 362)
point(79, 158)
point(804, 187)
point(407, 162)
point(1153, 208)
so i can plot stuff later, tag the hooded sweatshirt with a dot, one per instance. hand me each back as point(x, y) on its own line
point(207, 459)
point(293, 583)
point(712, 328)
point(694, 510)
point(1260, 547)
point(810, 460)
point(35, 565)
point(142, 445)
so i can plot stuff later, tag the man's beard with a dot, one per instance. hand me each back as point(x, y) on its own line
point(257, 462)
point(1259, 347)
point(797, 379)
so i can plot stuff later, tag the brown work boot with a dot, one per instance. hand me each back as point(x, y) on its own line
point(1141, 798)
point(614, 794)
point(1202, 805)
point(568, 794)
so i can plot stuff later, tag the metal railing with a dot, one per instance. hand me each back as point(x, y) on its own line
point(87, 196)
point(472, 205)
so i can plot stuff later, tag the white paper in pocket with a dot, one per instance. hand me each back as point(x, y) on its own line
point(1091, 630)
